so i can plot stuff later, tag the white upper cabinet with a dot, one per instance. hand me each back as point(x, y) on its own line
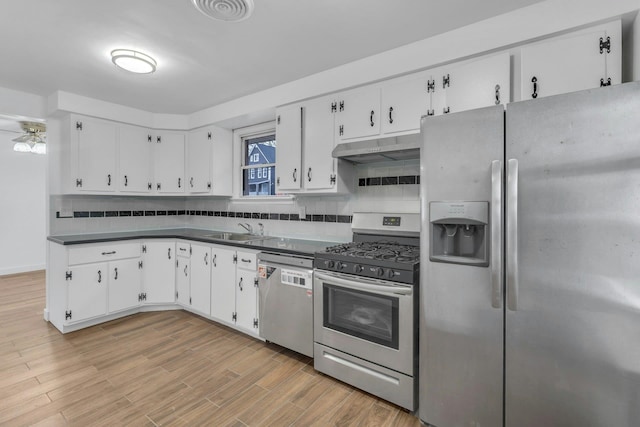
point(581, 60)
point(319, 140)
point(359, 113)
point(479, 83)
point(289, 154)
point(404, 101)
point(199, 158)
point(306, 135)
point(169, 162)
point(93, 154)
point(135, 158)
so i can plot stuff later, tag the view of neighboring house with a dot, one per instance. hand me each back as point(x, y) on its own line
point(260, 180)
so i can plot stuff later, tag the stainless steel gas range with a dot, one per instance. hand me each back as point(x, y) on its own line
point(365, 307)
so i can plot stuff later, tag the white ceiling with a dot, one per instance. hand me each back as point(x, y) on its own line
point(64, 44)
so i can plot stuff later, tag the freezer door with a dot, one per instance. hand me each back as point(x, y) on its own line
point(573, 279)
point(461, 307)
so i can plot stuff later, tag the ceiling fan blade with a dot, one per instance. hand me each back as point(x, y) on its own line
point(22, 138)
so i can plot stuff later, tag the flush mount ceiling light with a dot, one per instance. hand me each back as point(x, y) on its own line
point(134, 61)
point(32, 141)
point(225, 10)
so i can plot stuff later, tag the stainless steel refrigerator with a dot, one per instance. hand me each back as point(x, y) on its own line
point(530, 263)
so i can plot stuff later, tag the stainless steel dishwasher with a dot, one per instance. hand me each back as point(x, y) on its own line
point(286, 301)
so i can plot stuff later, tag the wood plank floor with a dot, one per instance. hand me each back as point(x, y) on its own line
point(165, 368)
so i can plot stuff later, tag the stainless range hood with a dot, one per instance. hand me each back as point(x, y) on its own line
point(403, 147)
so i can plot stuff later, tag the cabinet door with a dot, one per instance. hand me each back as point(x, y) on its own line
point(319, 141)
point(289, 157)
point(169, 163)
point(223, 283)
point(477, 84)
point(183, 293)
point(87, 291)
point(159, 272)
point(95, 145)
point(247, 300)
point(359, 113)
point(135, 145)
point(222, 168)
point(201, 279)
point(404, 102)
point(199, 161)
point(564, 64)
point(125, 278)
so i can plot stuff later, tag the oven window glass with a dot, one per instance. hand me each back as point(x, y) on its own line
point(361, 314)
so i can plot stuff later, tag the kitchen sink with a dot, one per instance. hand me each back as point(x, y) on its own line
point(237, 237)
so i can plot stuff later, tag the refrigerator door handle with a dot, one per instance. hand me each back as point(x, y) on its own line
point(496, 234)
point(512, 235)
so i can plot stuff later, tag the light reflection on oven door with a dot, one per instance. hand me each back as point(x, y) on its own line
point(361, 314)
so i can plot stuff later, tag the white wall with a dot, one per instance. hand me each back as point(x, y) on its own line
point(23, 206)
point(22, 209)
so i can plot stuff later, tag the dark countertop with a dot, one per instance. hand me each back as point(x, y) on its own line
point(269, 244)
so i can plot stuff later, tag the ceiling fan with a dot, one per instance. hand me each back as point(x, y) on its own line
point(33, 139)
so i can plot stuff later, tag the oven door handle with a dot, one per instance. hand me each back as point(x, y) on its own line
point(397, 290)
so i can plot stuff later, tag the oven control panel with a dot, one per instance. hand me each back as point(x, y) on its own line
point(393, 221)
point(377, 272)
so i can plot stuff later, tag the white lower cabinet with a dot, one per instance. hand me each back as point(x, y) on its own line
point(158, 272)
point(193, 277)
point(234, 288)
point(125, 278)
point(200, 290)
point(88, 284)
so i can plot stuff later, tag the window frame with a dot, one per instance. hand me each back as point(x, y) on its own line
point(256, 169)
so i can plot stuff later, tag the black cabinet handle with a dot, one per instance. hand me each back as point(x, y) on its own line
point(497, 94)
point(240, 284)
point(109, 180)
point(191, 182)
point(179, 182)
point(115, 277)
point(309, 174)
point(99, 276)
point(126, 181)
point(245, 260)
point(206, 256)
point(108, 253)
point(185, 270)
point(214, 260)
point(169, 254)
point(534, 80)
point(390, 115)
point(371, 118)
point(295, 175)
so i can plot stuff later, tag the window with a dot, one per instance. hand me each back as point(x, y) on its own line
point(259, 162)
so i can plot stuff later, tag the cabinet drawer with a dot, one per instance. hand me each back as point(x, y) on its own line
point(183, 249)
point(247, 260)
point(85, 254)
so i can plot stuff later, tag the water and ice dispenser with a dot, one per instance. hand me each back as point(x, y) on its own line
point(459, 232)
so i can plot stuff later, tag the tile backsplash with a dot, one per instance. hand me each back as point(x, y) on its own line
point(380, 187)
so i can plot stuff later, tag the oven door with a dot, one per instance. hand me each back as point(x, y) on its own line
point(367, 318)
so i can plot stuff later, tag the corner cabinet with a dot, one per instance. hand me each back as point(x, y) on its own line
point(158, 272)
point(594, 59)
point(306, 135)
point(168, 162)
point(234, 288)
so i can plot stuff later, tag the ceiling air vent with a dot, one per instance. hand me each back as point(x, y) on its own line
point(225, 10)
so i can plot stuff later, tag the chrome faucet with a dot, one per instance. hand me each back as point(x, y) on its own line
point(246, 226)
point(261, 229)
